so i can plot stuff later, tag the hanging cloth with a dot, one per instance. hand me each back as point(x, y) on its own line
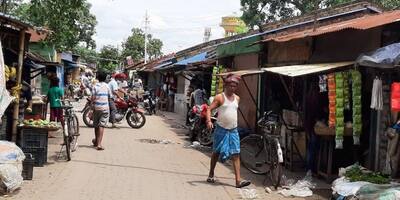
point(377, 95)
point(395, 97)
point(357, 111)
point(340, 100)
point(323, 83)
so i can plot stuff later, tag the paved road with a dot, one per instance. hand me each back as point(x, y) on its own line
point(132, 168)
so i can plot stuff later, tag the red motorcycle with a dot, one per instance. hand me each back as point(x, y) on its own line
point(125, 108)
point(198, 127)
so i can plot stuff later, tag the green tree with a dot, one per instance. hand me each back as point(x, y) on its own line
point(70, 21)
point(108, 58)
point(258, 12)
point(9, 6)
point(134, 45)
point(86, 55)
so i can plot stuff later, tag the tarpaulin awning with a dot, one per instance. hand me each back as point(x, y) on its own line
point(162, 65)
point(238, 47)
point(362, 23)
point(197, 58)
point(301, 70)
point(183, 63)
point(386, 57)
point(242, 72)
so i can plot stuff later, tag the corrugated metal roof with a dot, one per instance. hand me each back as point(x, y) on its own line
point(300, 70)
point(243, 72)
point(14, 21)
point(362, 23)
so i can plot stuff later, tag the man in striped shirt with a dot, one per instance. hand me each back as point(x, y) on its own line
point(101, 94)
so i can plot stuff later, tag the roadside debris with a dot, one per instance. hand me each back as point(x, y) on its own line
point(247, 193)
point(356, 181)
point(155, 141)
point(11, 157)
point(198, 146)
point(268, 190)
point(301, 188)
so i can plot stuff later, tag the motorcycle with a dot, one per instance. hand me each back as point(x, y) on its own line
point(125, 108)
point(150, 102)
point(198, 126)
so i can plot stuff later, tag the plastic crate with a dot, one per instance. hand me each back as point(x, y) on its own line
point(39, 155)
point(27, 166)
point(33, 138)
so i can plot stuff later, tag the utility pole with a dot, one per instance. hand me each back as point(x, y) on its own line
point(207, 34)
point(146, 27)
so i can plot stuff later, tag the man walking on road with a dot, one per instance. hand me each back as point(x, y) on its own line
point(101, 94)
point(113, 85)
point(226, 137)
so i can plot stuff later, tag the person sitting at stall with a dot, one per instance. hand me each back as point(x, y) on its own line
point(54, 97)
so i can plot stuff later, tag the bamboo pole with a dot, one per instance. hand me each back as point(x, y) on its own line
point(19, 77)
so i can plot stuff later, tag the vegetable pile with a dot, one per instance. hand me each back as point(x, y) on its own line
point(357, 174)
point(40, 123)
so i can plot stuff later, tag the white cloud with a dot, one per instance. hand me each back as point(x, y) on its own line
point(178, 23)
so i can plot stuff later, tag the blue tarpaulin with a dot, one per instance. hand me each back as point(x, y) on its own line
point(182, 64)
point(385, 57)
point(162, 65)
point(197, 58)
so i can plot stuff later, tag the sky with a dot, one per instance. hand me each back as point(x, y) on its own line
point(178, 23)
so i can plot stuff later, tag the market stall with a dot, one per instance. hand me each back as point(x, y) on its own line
point(327, 99)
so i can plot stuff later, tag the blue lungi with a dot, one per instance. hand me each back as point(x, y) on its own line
point(226, 142)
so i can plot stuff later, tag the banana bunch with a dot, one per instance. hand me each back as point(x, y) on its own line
point(10, 72)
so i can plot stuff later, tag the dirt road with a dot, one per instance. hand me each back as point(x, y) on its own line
point(133, 167)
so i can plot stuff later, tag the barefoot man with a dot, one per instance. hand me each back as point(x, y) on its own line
point(226, 137)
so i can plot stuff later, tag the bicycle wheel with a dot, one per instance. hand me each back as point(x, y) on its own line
point(275, 172)
point(75, 133)
point(67, 147)
point(252, 154)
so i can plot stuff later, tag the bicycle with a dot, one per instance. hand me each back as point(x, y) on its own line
point(71, 129)
point(262, 154)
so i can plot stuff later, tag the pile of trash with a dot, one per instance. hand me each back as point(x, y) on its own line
point(302, 188)
point(357, 182)
point(198, 146)
point(247, 193)
point(155, 141)
point(11, 157)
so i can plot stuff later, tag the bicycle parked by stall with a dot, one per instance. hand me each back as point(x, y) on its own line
point(262, 154)
point(71, 129)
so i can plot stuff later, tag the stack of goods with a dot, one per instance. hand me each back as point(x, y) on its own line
point(221, 80)
point(357, 112)
point(214, 81)
point(339, 128)
point(346, 91)
point(332, 100)
point(395, 97)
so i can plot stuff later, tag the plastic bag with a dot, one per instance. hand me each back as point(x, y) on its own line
point(5, 100)
point(345, 188)
point(301, 188)
point(11, 157)
point(248, 193)
point(379, 192)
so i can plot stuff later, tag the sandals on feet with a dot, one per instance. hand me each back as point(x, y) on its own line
point(243, 183)
point(100, 148)
point(210, 180)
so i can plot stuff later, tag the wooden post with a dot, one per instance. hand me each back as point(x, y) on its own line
point(19, 77)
